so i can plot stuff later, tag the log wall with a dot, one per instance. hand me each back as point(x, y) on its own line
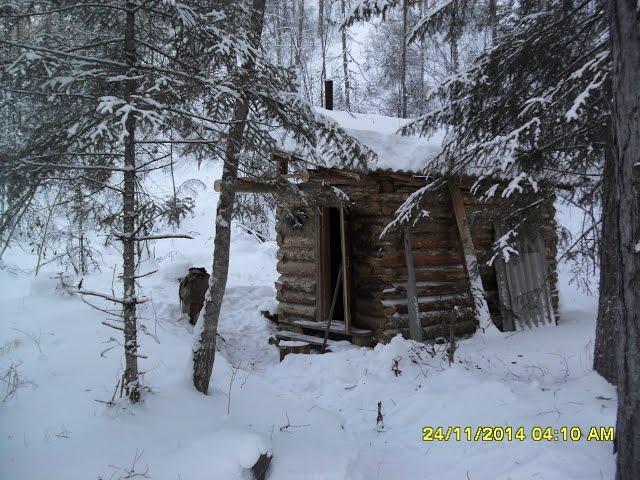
point(379, 273)
point(296, 286)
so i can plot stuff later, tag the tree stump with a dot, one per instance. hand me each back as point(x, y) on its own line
point(259, 470)
point(285, 347)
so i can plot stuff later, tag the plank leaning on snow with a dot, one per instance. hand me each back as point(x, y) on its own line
point(470, 262)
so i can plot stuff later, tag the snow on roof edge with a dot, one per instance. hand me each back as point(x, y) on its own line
point(395, 153)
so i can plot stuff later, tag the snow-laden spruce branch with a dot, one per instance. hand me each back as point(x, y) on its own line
point(433, 15)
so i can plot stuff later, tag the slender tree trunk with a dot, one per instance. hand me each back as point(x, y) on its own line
point(453, 44)
point(205, 349)
point(43, 240)
point(82, 267)
point(493, 21)
point(130, 380)
point(323, 49)
point(423, 61)
point(15, 216)
point(625, 190)
point(345, 60)
point(278, 32)
point(299, 37)
point(290, 15)
point(403, 60)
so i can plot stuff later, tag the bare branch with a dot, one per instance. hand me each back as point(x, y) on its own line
point(101, 295)
point(116, 327)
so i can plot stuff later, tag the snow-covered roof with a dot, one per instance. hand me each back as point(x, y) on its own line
point(395, 152)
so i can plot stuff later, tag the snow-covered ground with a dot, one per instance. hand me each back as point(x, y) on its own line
point(316, 414)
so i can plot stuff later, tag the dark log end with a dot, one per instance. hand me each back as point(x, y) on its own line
point(261, 467)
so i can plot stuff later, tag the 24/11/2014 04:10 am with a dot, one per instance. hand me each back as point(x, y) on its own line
point(508, 434)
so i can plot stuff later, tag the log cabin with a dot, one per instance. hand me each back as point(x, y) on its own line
point(341, 278)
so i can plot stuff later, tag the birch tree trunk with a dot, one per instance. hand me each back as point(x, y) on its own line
point(130, 379)
point(205, 348)
point(624, 193)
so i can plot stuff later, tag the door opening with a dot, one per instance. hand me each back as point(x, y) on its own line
point(334, 252)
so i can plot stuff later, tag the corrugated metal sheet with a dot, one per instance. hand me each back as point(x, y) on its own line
point(524, 286)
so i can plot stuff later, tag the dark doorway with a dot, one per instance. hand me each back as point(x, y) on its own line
point(334, 258)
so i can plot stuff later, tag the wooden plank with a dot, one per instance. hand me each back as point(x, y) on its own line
point(469, 259)
point(336, 327)
point(287, 335)
point(412, 296)
point(346, 270)
point(333, 307)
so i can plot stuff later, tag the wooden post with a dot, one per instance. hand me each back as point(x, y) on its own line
point(469, 258)
point(346, 269)
point(415, 329)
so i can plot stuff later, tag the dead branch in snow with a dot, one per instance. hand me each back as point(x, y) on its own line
point(12, 381)
point(288, 425)
point(131, 472)
point(234, 372)
point(31, 336)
